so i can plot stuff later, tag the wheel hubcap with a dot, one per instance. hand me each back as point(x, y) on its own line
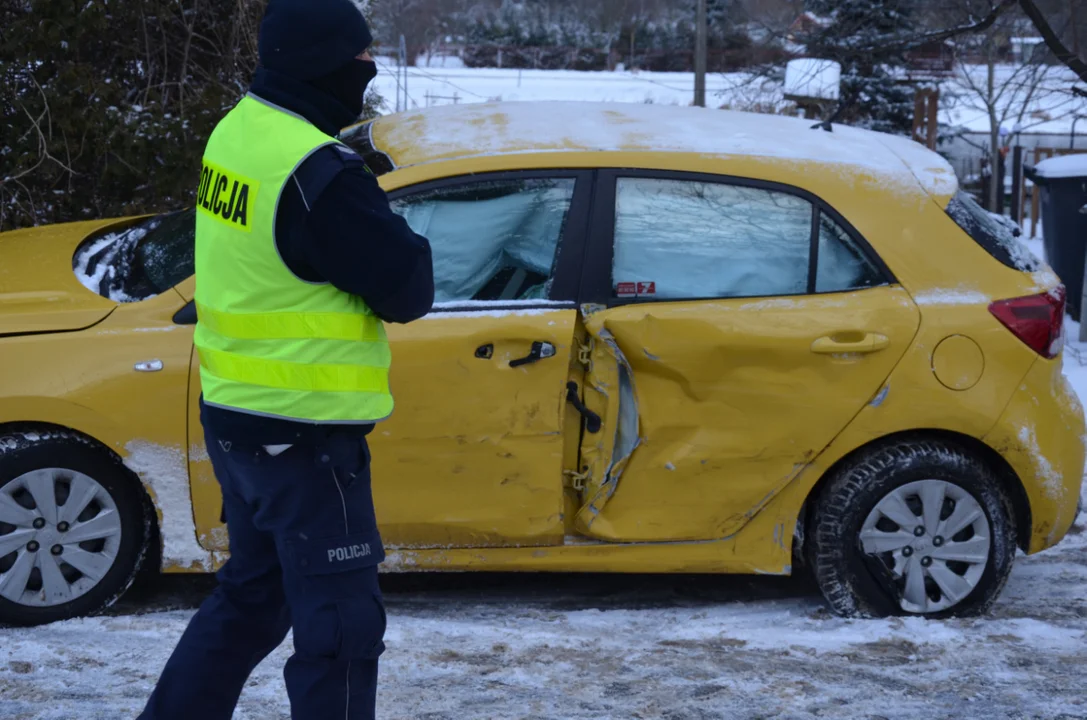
point(935, 539)
point(67, 512)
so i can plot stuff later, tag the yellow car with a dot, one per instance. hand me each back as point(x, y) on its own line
point(667, 340)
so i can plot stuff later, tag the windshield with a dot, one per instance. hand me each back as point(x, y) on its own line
point(142, 260)
point(996, 234)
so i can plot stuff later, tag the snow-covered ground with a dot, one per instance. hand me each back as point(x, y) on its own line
point(428, 86)
point(599, 647)
point(1039, 103)
point(1038, 99)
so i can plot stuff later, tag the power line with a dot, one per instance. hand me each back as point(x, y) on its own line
point(565, 77)
point(443, 80)
point(399, 87)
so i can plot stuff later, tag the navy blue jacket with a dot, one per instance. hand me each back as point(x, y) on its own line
point(334, 225)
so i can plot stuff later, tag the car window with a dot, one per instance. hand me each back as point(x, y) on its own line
point(141, 261)
point(995, 236)
point(493, 239)
point(842, 264)
point(679, 239)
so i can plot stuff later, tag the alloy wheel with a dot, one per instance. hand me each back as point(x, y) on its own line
point(60, 532)
point(935, 538)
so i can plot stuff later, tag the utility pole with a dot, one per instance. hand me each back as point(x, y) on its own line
point(404, 67)
point(700, 50)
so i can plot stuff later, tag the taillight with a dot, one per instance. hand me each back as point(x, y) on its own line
point(1037, 320)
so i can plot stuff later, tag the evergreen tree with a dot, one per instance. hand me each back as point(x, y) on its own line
point(666, 42)
point(105, 107)
point(865, 36)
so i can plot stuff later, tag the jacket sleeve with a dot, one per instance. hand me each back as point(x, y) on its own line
point(357, 243)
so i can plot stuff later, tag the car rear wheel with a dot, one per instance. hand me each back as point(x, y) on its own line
point(74, 526)
point(921, 528)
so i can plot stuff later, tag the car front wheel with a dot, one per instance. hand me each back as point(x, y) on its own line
point(920, 527)
point(74, 527)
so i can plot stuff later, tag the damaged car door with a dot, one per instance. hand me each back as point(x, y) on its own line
point(473, 454)
point(736, 327)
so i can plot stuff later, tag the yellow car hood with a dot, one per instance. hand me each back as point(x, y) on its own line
point(39, 291)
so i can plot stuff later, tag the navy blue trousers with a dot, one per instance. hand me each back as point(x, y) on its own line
point(304, 550)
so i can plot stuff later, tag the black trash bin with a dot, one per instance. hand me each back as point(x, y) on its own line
point(1063, 184)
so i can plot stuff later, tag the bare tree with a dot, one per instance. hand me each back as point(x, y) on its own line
point(418, 21)
point(625, 18)
point(1011, 95)
point(944, 21)
point(1063, 26)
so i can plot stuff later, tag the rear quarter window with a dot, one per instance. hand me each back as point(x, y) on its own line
point(140, 261)
point(995, 235)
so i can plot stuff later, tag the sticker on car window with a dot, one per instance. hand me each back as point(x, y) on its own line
point(635, 289)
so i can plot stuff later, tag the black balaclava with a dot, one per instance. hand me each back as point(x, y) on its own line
point(348, 83)
point(314, 44)
point(307, 39)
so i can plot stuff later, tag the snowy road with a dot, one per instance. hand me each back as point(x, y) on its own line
point(565, 647)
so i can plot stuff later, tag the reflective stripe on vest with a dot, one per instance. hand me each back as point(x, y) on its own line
point(291, 326)
point(270, 343)
point(294, 376)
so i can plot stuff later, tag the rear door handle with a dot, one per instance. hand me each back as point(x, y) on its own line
point(850, 342)
point(539, 351)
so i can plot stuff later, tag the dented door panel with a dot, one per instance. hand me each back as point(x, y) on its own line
point(732, 400)
point(605, 454)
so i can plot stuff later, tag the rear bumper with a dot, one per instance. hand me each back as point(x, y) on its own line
point(1041, 435)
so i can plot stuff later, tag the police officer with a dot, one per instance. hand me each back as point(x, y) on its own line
point(299, 260)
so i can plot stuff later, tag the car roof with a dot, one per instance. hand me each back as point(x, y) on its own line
point(455, 132)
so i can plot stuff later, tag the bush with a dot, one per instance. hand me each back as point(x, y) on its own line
point(105, 107)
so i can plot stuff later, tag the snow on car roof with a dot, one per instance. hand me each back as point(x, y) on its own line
point(1063, 166)
point(483, 129)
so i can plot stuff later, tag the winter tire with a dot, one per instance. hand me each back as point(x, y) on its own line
point(74, 527)
point(918, 527)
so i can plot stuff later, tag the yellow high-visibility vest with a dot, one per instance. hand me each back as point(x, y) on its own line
point(271, 343)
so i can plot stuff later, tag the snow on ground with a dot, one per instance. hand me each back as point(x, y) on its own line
point(427, 86)
point(1043, 105)
point(1036, 98)
point(609, 647)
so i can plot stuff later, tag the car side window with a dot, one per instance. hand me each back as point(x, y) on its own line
point(142, 260)
point(492, 239)
point(842, 265)
point(687, 239)
point(679, 239)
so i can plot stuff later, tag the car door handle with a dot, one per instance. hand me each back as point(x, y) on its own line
point(592, 420)
point(850, 342)
point(539, 351)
